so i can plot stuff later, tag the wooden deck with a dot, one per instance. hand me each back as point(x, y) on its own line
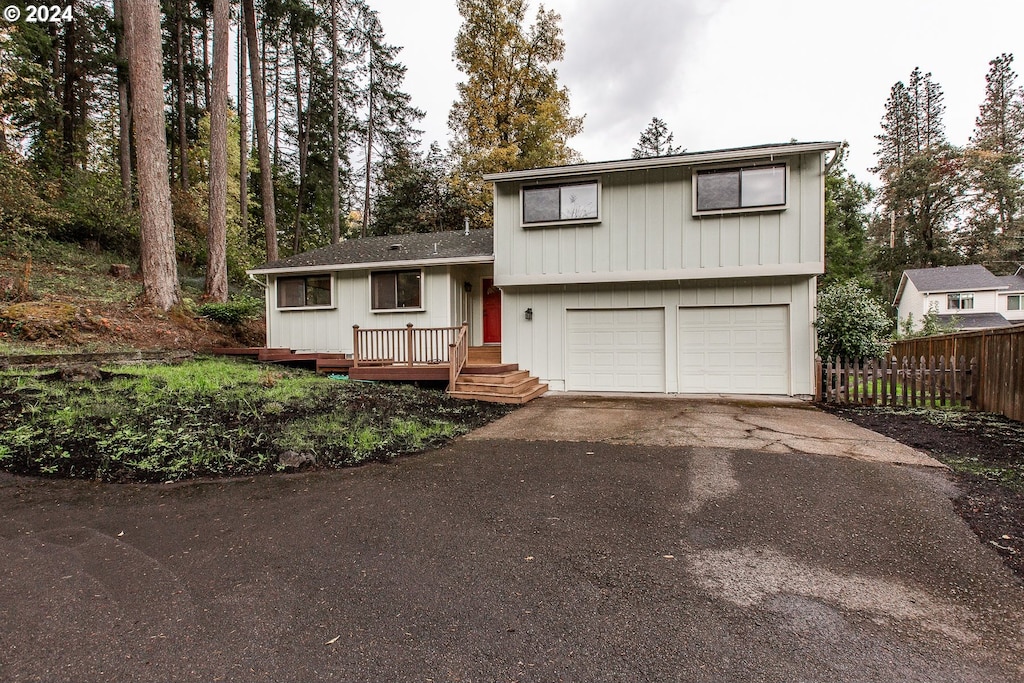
point(404, 355)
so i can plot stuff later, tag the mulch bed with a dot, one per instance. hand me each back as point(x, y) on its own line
point(985, 453)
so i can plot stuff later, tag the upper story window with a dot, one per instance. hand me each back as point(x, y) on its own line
point(307, 291)
point(1013, 302)
point(392, 290)
point(960, 301)
point(563, 203)
point(733, 189)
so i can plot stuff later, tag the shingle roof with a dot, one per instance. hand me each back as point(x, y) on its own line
point(974, 321)
point(953, 278)
point(1015, 283)
point(418, 247)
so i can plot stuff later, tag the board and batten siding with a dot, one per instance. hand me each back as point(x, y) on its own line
point(647, 232)
point(330, 330)
point(540, 344)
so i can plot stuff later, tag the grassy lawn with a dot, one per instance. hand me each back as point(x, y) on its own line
point(216, 417)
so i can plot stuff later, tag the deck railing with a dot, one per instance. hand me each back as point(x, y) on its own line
point(403, 346)
point(458, 353)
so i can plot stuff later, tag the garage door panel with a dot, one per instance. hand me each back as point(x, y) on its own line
point(615, 349)
point(734, 349)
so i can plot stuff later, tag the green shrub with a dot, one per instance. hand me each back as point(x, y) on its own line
point(234, 312)
point(851, 324)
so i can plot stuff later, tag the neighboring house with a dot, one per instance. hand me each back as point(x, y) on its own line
point(967, 297)
point(691, 273)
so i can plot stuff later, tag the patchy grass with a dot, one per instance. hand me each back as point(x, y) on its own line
point(216, 417)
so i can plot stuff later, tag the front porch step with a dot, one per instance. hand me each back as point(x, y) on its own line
point(499, 377)
point(484, 355)
point(506, 387)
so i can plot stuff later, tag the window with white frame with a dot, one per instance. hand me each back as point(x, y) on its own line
point(304, 292)
point(1013, 302)
point(396, 289)
point(750, 187)
point(562, 203)
point(961, 301)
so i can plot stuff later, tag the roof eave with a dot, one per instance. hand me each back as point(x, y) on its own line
point(369, 265)
point(697, 158)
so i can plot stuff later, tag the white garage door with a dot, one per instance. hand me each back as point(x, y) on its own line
point(734, 349)
point(620, 349)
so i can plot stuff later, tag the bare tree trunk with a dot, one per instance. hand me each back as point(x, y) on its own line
point(369, 154)
point(335, 202)
point(277, 105)
point(179, 30)
point(259, 106)
point(156, 239)
point(302, 122)
point(243, 134)
point(206, 57)
point(124, 147)
point(216, 234)
point(69, 114)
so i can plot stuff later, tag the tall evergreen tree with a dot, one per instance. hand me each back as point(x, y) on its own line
point(655, 141)
point(846, 219)
point(511, 112)
point(995, 162)
point(920, 173)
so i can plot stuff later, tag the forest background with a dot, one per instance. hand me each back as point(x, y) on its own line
point(320, 142)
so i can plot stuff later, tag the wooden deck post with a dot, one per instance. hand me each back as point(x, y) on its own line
point(408, 344)
point(355, 346)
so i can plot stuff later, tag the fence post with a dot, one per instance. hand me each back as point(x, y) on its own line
point(931, 379)
point(819, 379)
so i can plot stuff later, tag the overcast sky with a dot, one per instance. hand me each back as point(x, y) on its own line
point(729, 73)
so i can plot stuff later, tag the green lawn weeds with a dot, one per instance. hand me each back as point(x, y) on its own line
point(216, 417)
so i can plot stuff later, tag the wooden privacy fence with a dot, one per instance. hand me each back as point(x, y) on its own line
point(407, 345)
point(892, 381)
point(999, 353)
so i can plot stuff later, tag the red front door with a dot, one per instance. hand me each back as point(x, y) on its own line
point(492, 312)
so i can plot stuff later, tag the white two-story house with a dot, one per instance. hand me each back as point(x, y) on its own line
point(965, 297)
point(691, 273)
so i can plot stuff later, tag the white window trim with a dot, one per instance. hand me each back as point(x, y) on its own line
point(287, 309)
point(748, 209)
point(423, 282)
point(1020, 302)
point(568, 221)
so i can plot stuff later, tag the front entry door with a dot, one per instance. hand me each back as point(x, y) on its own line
point(492, 312)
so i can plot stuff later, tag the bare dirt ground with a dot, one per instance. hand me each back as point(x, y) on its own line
point(985, 454)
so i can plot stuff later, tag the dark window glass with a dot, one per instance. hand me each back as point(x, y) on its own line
point(960, 302)
point(297, 292)
point(395, 289)
point(1013, 302)
point(718, 190)
point(553, 203)
point(741, 188)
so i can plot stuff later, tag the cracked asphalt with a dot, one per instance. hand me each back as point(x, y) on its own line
point(578, 539)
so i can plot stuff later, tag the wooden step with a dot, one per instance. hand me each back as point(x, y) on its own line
point(489, 369)
point(479, 355)
point(493, 378)
point(523, 386)
point(533, 393)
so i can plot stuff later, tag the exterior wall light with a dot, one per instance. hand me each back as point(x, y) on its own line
point(529, 314)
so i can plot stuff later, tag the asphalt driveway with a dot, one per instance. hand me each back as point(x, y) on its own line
point(579, 539)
